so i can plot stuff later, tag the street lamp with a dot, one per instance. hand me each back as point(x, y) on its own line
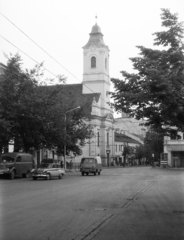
point(65, 135)
point(108, 152)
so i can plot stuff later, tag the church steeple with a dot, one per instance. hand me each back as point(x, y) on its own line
point(96, 37)
point(96, 77)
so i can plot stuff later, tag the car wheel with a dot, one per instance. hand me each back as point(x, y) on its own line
point(60, 176)
point(82, 173)
point(99, 173)
point(34, 178)
point(95, 173)
point(12, 175)
point(48, 176)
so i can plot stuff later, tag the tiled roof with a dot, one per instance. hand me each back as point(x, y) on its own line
point(139, 136)
point(71, 95)
point(123, 138)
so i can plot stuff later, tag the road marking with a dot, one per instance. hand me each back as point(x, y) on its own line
point(92, 231)
point(135, 196)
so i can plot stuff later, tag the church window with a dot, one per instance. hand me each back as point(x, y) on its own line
point(106, 63)
point(107, 139)
point(93, 62)
point(98, 140)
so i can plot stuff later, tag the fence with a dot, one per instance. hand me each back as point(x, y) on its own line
point(73, 167)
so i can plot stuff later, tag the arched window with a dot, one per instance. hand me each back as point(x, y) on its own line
point(98, 136)
point(105, 63)
point(93, 62)
point(107, 139)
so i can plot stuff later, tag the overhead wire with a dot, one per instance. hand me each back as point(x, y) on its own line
point(47, 53)
point(50, 57)
point(27, 55)
point(37, 44)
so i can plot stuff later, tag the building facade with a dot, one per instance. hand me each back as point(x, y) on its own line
point(96, 79)
point(174, 152)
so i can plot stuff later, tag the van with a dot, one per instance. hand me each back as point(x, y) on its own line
point(12, 164)
point(91, 165)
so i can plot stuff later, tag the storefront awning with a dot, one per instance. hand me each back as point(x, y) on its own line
point(177, 148)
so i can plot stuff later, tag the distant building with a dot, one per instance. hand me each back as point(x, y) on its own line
point(174, 151)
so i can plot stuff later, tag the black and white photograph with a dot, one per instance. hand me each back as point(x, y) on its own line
point(91, 120)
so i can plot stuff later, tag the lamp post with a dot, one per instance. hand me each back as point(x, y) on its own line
point(108, 152)
point(65, 135)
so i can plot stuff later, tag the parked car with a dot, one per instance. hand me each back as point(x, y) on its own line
point(48, 171)
point(12, 164)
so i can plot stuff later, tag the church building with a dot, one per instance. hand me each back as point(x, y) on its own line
point(93, 96)
point(96, 79)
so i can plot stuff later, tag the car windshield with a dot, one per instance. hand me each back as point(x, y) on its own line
point(48, 160)
point(88, 160)
point(8, 159)
point(45, 165)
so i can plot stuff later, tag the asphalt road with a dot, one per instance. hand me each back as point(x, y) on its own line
point(122, 203)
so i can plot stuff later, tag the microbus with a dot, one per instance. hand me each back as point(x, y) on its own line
point(92, 164)
point(12, 164)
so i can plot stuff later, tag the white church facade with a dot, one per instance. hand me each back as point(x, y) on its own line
point(96, 79)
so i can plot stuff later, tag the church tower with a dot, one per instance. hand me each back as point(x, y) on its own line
point(96, 79)
point(96, 68)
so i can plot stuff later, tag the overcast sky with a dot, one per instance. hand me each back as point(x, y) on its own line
point(62, 28)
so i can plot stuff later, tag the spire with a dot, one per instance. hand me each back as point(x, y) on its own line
point(96, 36)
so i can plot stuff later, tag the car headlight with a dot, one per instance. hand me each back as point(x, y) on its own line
point(7, 169)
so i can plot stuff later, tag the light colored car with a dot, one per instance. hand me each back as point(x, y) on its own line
point(48, 171)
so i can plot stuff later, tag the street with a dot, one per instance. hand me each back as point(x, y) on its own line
point(122, 203)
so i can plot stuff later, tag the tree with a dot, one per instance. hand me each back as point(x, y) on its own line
point(140, 152)
point(155, 91)
point(21, 118)
point(127, 150)
point(32, 113)
point(153, 144)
